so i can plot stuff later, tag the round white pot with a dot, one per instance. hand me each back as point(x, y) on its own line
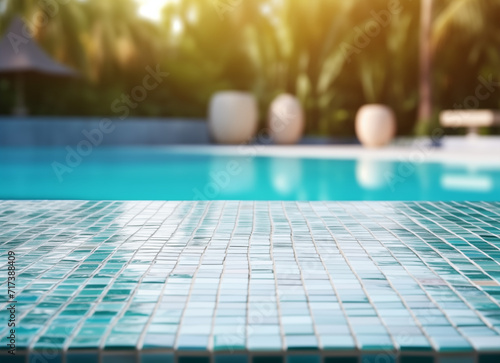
point(286, 119)
point(232, 117)
point(375, 125)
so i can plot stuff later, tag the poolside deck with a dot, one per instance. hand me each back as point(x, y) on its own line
point(252, 282)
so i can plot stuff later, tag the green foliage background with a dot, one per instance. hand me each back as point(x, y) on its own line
point(264, 46)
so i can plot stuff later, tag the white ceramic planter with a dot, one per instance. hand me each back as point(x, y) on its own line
point(232, 117)
point(286, 119)
point(375, 125)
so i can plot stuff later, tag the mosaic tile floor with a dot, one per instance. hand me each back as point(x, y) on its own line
point(251, 282)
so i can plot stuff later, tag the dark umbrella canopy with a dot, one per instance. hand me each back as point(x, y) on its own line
point(21, 53)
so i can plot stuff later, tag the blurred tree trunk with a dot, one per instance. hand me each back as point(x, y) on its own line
point(425, 80)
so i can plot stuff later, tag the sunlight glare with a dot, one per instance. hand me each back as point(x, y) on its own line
point(151, 9)
point(177, 25)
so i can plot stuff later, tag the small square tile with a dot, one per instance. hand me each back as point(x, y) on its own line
point(229, 343)
point(301, 342)
point(153, 341)
point(338, 342)
point(260, 343)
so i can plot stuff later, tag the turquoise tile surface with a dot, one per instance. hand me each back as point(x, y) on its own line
point(244, 282)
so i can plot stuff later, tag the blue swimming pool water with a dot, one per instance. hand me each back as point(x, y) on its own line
point(164, 174)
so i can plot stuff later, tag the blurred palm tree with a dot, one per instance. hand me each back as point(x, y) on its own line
point(57, 27)
point(205, 53)
point(425, 78)
point(116, 39)
point(101, 38)
point(296, 49)
point(386, 68)
point(473, 19)
point(461, 34)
